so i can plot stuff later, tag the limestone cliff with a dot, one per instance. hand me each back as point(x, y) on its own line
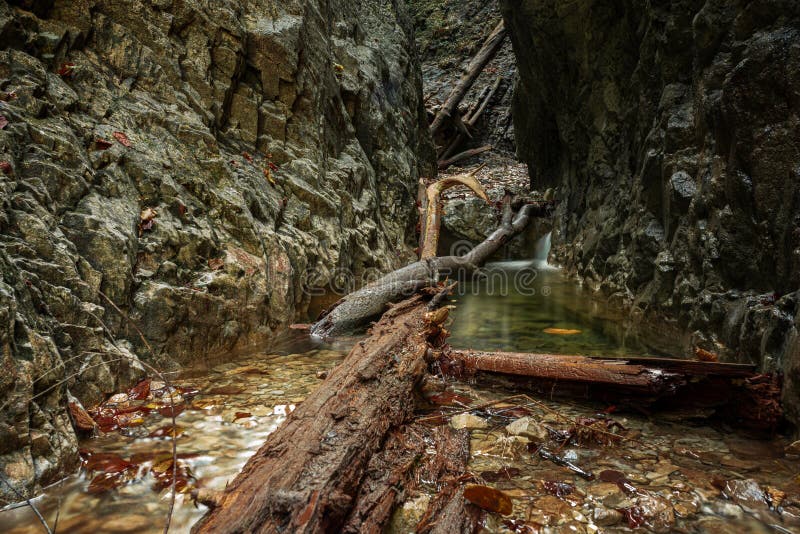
point(191, 161)
point(670, 130)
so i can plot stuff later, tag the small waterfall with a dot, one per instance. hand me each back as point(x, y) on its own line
point(541, 250)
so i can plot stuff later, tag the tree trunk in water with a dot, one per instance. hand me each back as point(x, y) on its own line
point(308, 475)
point(359, 307)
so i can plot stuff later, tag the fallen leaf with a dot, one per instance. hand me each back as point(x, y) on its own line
point(82, 419)
point(104, 462)
point(559, 489)
point(504, 473)
point(448, 398)
point(105, 482)
point(488, 498)
point(181, 210)
point(102, 144)
point(300, 326)
point(241, 415)
point(140, 391)
point(66, 70)
point(561, 331)
point(247, 156)
point(3, 122)
point(172, 411)
point(6, 167)
point(123, 139)
point(705, 355)
point(7, 97)
point(268, 176)
point(215, 264)
point(167, 431)
point(634, 516)
point(338, 67)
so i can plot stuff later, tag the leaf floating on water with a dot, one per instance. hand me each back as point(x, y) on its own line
point(104, 462)
point(123, 139)
point(140, 391)
point(105, 482)
point(705, 355)
point(171, 411)
point(561, 331)
point(241, 415)
point(489, 498)
point(634, 516)
point(167, 431)
point(82, 419)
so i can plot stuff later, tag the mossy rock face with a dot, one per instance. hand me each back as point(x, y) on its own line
point(669, 135)
point(187, 163)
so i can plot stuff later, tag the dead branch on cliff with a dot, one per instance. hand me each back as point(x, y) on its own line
point(489, 49)
point(470, 120)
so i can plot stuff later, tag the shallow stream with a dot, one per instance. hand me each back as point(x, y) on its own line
point(682, 471)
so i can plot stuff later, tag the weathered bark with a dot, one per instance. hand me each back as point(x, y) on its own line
point(433, 214)
point(307, 475)
point(471, 120)
point(476, 66)
point(734, 391)
point(464, 155)
point(359, 307)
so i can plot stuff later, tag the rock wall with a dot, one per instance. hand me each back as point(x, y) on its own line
point(179, 165)
point(670, 130)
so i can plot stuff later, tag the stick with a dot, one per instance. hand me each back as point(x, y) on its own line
point(464, 155)
point(472, 118)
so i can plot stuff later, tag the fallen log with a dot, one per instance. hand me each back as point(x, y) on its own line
point(734, 391)
point(464, 155)
point(309, 474)
point(485, 54)
point(359, 307)
point(471, 120)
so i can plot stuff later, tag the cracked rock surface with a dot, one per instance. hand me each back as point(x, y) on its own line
point(186, 163)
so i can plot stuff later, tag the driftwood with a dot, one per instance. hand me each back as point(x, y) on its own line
point(464, 155)
point(433, 213)
point(476, 66)
point(733, 391)
point(309, 476)
point(359, 307)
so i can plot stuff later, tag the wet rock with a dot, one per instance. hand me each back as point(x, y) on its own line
point(606, 517)
point(746, 493)
point(219, 259)
point(468, 421)
point(527, 427)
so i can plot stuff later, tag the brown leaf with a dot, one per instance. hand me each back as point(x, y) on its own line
point(561, 331)
point(705, 355)
point(268, 176)
point(215, 264)
point(488, 498)
point(8, 97)
point(83, 421)
point(66, 70)
point(6, 167)
point(102, 144)
point(105, 462)
point(3, 121)
point(242, 415)
point(140, 391)
point(226, 390)
point(105, 482)
point(148, 214)
point(247, 156)
point(171, 411)
point(123, 139)
point(166, 431)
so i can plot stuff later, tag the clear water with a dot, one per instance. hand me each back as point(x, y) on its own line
point(217, 439)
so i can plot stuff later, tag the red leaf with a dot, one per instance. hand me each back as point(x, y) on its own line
point(450, 398)
point(488, 498)
point(634, 516)
point(215, 264)
point(102, 144)
point(105, 482)
point(123, 139)
point(140, 391)
point(272, 166)
point(105, 462)
point(171, 411)
point(6, 167)
point(66, 70)
point(83, 421)
point(241, 415)
point(182, 209)
point(247, 156)
point(3, 122)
